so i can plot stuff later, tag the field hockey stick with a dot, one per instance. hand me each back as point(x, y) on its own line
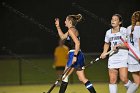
point(59, 79)
point(127, 45)
point(97, 59)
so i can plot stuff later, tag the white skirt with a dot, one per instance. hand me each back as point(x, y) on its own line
point(117, 65)
point(118, 60)
point(133, 67)
point(132, 59)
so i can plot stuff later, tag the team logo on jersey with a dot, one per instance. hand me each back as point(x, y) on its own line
point(115, 38)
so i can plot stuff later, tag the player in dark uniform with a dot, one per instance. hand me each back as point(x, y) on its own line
point(76, 56)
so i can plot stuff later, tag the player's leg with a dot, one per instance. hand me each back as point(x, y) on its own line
point(133, 87)
point(59, 72)
point(80, 72)
point(124, 77)
point(64, 83)
point(113, 73)
point(82, 78)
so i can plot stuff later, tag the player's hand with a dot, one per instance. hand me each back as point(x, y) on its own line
point(115, 48)
point(103, 55)
point(57, 22)
point(53, 66)
point(74, 60)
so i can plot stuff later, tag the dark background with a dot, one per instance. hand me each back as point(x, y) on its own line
point(24, 36)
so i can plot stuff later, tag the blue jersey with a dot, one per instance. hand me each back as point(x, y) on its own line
point(80, 57)
point(71, 43)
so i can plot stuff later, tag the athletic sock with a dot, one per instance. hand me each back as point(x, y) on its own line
point(128, 84)
point(112, 88)
point(90, 87)
point(133, 87)
point(63, 87)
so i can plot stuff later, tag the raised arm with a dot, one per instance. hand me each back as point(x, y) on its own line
point(60, 32)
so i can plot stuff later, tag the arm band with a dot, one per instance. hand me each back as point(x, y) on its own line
point(75, 55)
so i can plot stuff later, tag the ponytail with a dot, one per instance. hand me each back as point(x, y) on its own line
point(75, 18)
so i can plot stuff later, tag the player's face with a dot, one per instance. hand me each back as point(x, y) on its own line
point(115, 21)
point(67, 22)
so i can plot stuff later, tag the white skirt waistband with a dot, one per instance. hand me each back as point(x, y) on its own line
point(72, 50)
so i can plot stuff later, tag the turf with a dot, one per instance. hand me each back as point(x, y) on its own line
point(40, 71)
point(72, 88)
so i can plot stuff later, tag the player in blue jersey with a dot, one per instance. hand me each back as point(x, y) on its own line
point(76, 56)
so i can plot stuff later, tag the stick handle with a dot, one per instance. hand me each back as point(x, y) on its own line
point(56, 82)
point(110, 52)
point(52, 87)
point(91, 62)
point(127, 45)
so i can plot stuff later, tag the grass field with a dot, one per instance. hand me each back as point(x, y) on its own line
point(37, 75)
point(38, 71)
point(72, 88)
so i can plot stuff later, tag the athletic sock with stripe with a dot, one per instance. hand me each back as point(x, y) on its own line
point(90, 87)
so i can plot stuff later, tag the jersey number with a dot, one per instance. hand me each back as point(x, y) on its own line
point(115, 43)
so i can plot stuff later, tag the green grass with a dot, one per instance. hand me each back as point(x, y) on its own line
point(36, 72)
point(40, 71)
point(33, 71)
point(72, 88)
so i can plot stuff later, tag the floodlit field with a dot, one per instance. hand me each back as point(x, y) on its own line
point(37, 76)
point(39, 70)
point(72, 88)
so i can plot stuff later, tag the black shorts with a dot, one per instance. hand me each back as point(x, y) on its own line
point(60, 68)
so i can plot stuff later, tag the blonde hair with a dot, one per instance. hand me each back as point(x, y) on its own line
point(134, 19)
point(75, 19)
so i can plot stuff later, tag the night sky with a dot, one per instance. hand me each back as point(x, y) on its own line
point(31, 29)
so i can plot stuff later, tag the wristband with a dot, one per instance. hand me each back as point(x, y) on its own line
point(75, 55)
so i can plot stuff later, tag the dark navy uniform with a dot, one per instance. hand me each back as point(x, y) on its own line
point(80, 56)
